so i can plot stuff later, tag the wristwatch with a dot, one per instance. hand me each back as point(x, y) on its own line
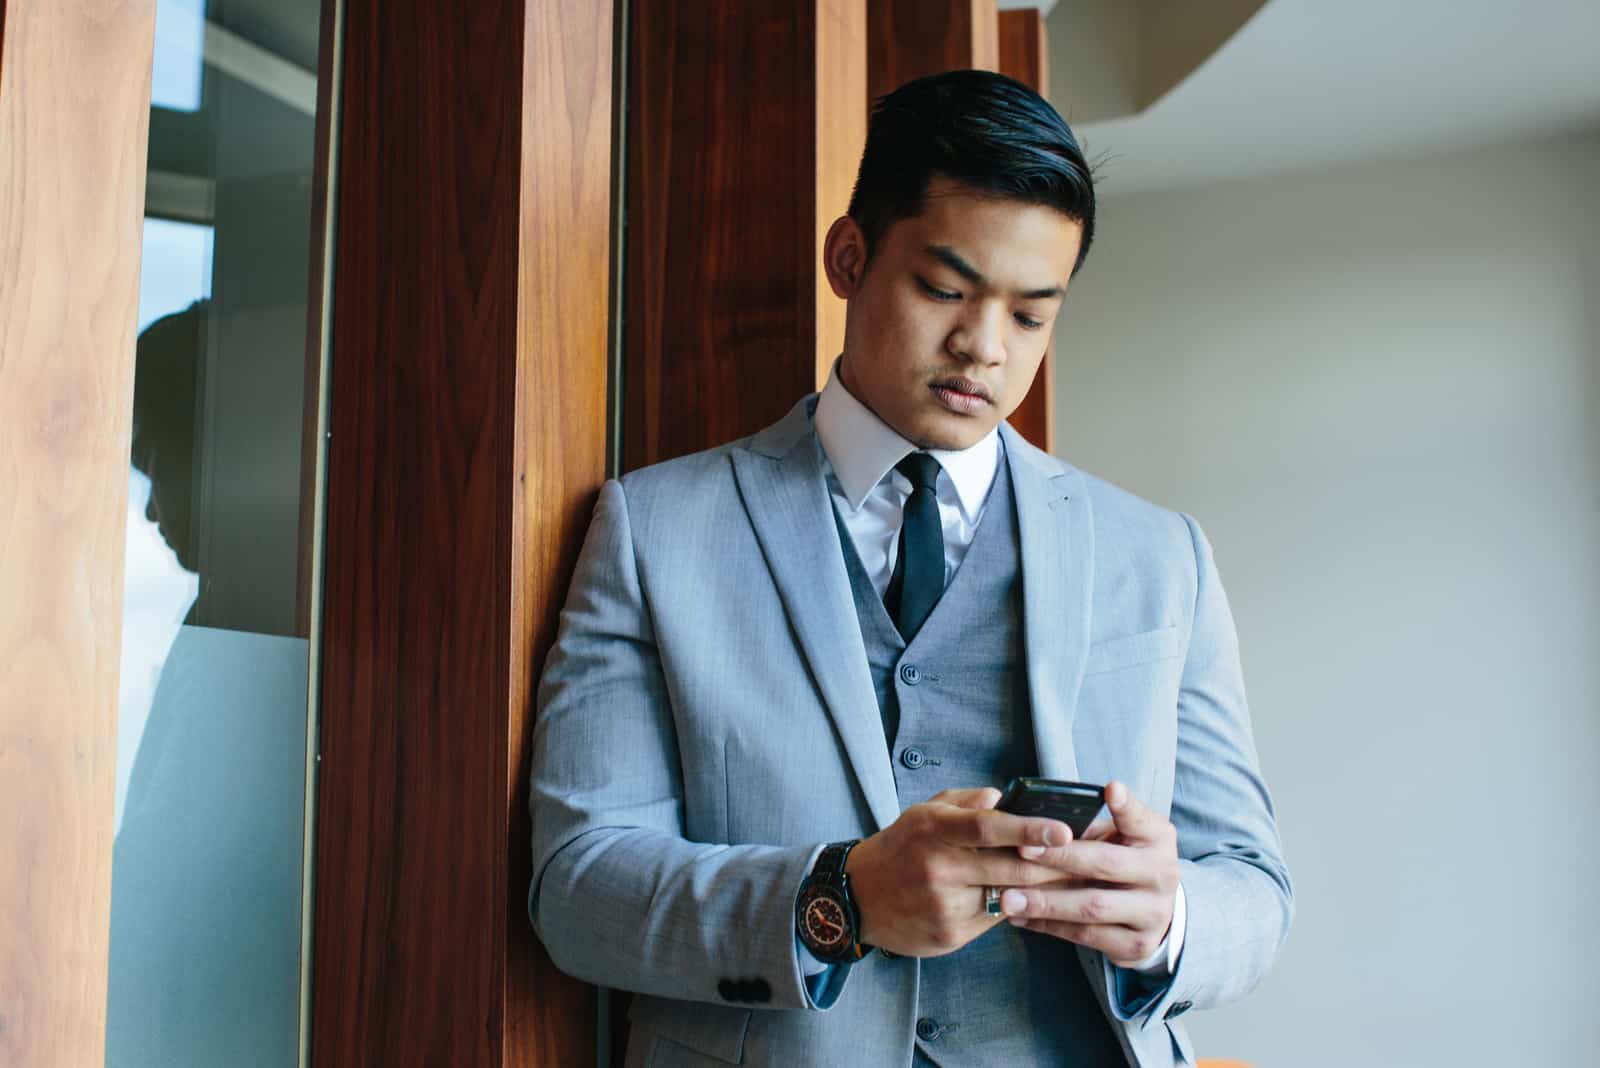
point(826, 916)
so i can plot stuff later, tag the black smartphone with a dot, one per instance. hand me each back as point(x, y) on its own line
point(1074, 803)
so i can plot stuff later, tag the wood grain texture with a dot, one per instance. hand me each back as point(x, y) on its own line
point(908, 39)
point(841, 134)
point(721, 291)
point(1024, 48)
point(559, 456)
point(985, 35)
point(1024, 55)
point(468, 384)
point(74, 122)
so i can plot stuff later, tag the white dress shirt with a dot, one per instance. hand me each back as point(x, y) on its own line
point(859, 454)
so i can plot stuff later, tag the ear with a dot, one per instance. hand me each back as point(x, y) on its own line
point(844, 257)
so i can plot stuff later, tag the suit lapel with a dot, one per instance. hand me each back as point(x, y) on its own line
point(780, 479)
point(1057, 537)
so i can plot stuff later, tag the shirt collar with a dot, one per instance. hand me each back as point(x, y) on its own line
point(862, 449)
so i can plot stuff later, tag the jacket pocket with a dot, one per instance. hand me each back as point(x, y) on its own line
point(714, 1031)
point(1130, 650)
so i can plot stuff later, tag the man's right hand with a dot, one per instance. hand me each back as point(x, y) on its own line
point(919, 882)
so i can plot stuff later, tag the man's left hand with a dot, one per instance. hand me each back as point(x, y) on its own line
point(1119, 884)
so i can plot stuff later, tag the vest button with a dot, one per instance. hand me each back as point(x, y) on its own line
point(910, 674)
point(912, 757)
point(928, 1029)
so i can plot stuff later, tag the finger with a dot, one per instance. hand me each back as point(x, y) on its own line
point(1129, 908)
point(980, 797)
point(1105, 862)
point(1100, 830)
point(1133, 820)
point(1002, 867)
point(987, 829)
point(1124, 946)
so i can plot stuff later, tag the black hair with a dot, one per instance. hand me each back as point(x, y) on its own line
point(981, 129)
point(166, 383)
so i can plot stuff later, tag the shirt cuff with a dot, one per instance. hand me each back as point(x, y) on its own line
point(1164, 961)
point(809, 964)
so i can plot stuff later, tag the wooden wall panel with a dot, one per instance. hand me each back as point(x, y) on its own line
point(74, 118)
point(841, 134)
point(563, 321)
point(908, 39)
point(468, 438)
point(741, 150)
point(1025, 56)
point(1024, 49)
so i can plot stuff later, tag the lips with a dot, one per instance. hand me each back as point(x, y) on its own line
point(962, 396)
point(965, 387)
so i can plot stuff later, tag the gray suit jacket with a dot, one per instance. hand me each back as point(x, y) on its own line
point(706, 721)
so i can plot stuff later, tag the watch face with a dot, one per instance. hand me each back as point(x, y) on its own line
point(823, 922)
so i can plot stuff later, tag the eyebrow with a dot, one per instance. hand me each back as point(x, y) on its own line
point(951, 259)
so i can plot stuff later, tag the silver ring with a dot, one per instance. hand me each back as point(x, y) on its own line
point(991, 900)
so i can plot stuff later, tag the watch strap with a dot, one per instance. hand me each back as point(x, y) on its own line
point(830, 864)
point(829, 870)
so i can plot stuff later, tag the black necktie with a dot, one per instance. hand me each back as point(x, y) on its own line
point(918, 578)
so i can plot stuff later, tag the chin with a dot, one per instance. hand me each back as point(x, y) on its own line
point(940, 435)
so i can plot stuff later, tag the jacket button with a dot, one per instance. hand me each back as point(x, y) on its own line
point(760, 990)
point(910, 674)
point(928, 1029)
point(727, 990)
point(913, 758)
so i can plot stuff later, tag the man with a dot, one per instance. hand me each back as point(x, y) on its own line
point(793, 671)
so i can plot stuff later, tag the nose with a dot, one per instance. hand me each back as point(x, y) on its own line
point(980, 336)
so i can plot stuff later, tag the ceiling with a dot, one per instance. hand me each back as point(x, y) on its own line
point(1307, 84)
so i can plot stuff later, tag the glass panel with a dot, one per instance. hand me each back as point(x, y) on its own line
point(209, 864)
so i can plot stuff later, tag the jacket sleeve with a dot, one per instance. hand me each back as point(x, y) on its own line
point(1238, 893)
point(619, 896)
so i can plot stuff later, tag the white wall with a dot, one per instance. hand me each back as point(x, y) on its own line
point(1378, 389)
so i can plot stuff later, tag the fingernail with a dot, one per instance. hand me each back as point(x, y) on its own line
point(1032, 852)
point(1013, 902)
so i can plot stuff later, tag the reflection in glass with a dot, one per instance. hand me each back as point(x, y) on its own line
point(208, 864)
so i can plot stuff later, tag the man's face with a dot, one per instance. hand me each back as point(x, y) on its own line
point(949, 322)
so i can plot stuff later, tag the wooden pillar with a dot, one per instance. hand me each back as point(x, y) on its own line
point(74, 117)
point(908, 39)
point(746, 126)
point(1024, 49)
point(468, 437)
point(1025, 56)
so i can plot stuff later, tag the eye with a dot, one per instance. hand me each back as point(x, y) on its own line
point(1028, 322)
point(935, 292)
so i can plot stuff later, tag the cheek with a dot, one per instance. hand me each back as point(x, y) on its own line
point(922, 331)
point(1032, 350)
point(905, 334)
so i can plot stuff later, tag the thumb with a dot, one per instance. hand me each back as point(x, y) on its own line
point(1133, 820)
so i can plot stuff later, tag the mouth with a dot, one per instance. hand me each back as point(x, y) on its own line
point(962, 395)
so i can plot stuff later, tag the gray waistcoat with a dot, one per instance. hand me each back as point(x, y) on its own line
point(955, 706)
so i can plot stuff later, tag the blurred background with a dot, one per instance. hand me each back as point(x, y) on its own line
point(1344, 307)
